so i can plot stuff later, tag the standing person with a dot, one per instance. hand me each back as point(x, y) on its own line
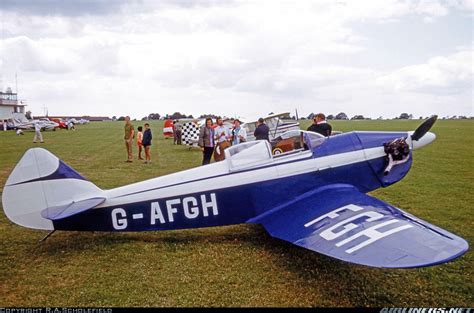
point(262, 130)
point(239, 134)
point(222, 132)
point(129, 135)
point(140, 142)
point(38, 135)
point(223, 137)
point(178, 128)
point(147, 137)
point(320, 125)
point(206, 141)
point(175, 138)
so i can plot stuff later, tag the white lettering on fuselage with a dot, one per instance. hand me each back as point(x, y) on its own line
point(118, 220)
point(345, 226)
point(189, 207)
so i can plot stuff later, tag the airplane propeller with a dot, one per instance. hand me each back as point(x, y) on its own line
point(424, 128)
point(398, 150)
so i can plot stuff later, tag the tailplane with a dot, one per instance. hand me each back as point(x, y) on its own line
point(42, 188)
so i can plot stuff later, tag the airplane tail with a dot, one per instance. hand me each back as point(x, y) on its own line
point(42, 188)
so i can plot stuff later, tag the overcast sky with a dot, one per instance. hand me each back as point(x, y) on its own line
point(239, 58)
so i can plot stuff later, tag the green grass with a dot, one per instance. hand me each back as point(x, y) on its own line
point(235, 265)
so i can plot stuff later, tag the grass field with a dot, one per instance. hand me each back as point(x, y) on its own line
point(235, 265)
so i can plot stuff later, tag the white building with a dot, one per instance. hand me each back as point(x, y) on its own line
point(9, 104)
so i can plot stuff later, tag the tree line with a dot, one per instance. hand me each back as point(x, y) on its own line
point(339, 116)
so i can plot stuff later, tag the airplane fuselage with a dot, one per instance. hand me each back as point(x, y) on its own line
point(217, 194)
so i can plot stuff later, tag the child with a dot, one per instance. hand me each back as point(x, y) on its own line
point(140, 142)
point(147, 142)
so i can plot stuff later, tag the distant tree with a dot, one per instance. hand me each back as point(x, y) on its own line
point(330, 117)
point(122, 118)
point(154, 116)
point(358, 117)
point(342, 116)
point(190, 116)
point(405, 116)
point(28, 115)
point(177, 115)
point(310, 116)
point(114, 118)
point(462, 117)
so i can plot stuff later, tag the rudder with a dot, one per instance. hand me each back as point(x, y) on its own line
point(41, 181)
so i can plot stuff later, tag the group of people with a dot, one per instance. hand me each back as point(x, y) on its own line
point(216, 140)
point(212, 140)
point(143, 140)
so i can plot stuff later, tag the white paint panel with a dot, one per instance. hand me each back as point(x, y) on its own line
point(23, 203)
point(35, 163)
point(115, 196)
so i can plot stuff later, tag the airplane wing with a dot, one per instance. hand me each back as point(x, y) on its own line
point(341, 222)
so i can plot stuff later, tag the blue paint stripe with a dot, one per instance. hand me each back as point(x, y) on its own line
point(62, 172)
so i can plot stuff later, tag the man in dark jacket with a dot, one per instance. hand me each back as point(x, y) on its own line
point(320, 125)
point(262, 130)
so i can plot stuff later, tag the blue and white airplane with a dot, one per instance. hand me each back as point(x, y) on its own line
point(314, 197)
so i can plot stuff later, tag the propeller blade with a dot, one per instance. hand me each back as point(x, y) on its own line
point(424, 128)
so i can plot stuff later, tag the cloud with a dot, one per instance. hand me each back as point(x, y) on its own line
point(27, 55)
point(60, 7)
point(439, 75)
point(214, 55)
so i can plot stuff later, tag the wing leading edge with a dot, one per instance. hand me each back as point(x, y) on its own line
point(341, 222)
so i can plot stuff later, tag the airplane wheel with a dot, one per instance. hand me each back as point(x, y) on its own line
point(277, 151)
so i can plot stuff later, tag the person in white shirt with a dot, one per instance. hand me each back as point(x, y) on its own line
point(38, 135)
point(239, 134)
point(222, 137)
point(222, 133)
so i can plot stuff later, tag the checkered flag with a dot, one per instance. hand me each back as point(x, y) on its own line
point(190, 135)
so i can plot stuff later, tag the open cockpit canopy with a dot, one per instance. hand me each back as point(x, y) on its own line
point(255, 153)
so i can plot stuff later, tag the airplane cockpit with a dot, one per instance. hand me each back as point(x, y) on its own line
point(294, 141)
point(291, 144)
